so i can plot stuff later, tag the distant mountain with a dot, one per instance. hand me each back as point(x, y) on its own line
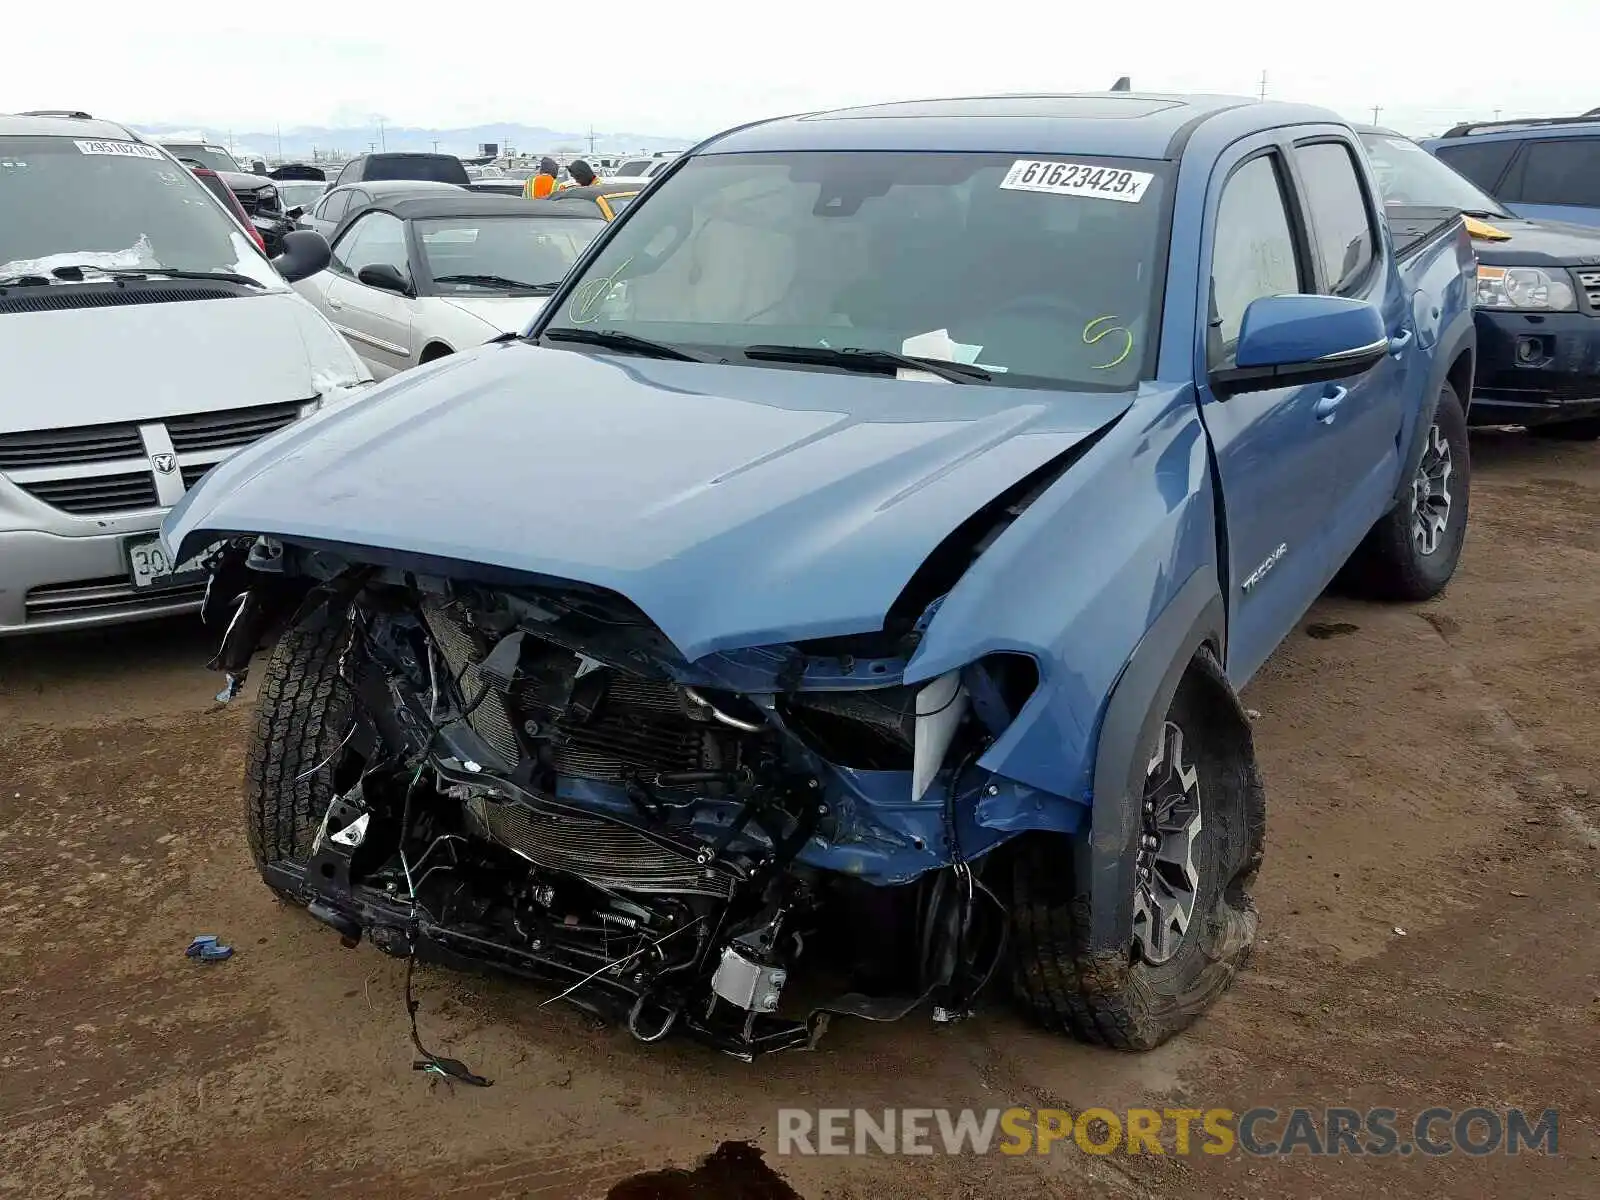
point(303, 140)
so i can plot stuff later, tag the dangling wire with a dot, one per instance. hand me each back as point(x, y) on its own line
point(448, 1068)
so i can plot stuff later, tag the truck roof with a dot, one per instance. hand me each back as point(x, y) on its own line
point(28, 125)
point(1129, 124)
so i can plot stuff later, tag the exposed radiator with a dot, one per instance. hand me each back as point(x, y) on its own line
point(491, 719)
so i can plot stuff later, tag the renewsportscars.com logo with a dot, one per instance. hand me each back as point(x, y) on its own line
point(1259, 1132)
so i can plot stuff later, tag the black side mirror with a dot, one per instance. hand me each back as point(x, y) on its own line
point(305, 252)
point(295, 213)
point(385, 278)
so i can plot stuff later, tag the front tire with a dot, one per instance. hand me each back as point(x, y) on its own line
point(1203, 823)
point(293, 766)
point(1412, 552)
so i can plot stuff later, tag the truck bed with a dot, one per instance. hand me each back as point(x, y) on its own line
point(1414, 226)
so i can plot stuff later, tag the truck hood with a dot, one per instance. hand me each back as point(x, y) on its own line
point(130, 362)
point(736, 506)
point(508, 314)
point(1540, 244)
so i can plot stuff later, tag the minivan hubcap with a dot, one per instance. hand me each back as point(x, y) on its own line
point(1168, 881)
point(1430, 492)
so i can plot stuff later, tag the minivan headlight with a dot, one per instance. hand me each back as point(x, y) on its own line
point(1524, 288)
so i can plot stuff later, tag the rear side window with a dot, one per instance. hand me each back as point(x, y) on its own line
point(1561, 172)
point(1253, 253)
point(1340, 220)
point(333, 207)
point(1481, 162)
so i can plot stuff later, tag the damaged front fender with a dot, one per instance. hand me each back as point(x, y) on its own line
point(1074, 583)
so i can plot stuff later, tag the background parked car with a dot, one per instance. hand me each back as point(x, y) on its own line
point(301, 195)
point(416, 277)
point(1547, 169)
point(643, 168)
point(442, 168)
point(1537, 307)
point(202, 153)
point(129, 300)
point(340, 204)
point(497, 187)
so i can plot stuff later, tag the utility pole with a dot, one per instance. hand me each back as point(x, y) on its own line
point(279, 129)
point(1263, 85)
point(1376, 109)
point(436, 145)
point(1497, 114)
point(591, 139)
point(230, 141)
point(373, 146)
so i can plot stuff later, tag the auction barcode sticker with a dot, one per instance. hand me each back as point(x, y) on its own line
point(125, 149)
point(1076, 179)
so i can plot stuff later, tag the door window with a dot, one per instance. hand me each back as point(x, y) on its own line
point(1564, 171)
point(333, 206)
point(377, 238)
point(1253, 252)
point(1341, 222)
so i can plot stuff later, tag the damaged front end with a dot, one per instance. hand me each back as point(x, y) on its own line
point(533, 778)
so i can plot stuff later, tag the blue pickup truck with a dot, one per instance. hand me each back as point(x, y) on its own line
point(853, 570)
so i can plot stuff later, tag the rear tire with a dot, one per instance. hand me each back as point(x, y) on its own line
point(1412, 552)
point(1123, 999)
point(1584, 429)
point(293, 760)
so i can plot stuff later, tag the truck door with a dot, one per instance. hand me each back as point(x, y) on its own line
point(1350, 257)
point(1275, 450)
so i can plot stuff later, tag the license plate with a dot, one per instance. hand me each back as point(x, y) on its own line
point(149, 567)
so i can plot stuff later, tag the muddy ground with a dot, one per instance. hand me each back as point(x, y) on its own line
point(1430, 769)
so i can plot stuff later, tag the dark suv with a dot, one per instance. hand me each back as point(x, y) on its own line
point(1547, 168)
point(1537, 304)
point(440, 168)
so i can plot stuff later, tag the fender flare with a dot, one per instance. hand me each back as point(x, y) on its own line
point(1139, 702)
point(1461, 335)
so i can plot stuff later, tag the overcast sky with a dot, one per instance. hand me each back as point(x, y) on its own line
point(691, 67)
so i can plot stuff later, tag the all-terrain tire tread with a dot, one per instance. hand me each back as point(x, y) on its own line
point(1386, 565)
point(301, 715)
point(1101, 998)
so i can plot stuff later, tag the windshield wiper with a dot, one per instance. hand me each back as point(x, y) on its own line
point(23, 281)
point(856, 358)
point(615, 339)
point(76, 273)
point(498, 281)
point(1484, 214)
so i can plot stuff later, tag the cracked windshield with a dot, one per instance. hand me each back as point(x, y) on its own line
point(961, 258)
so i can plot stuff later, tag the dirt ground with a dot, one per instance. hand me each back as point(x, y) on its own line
point(1431, 770)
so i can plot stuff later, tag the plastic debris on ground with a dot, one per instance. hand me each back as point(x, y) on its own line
point(206, 948)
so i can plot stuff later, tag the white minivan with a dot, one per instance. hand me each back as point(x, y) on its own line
point(143, 338)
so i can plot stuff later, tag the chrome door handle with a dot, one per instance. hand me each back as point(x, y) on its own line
point(1326, 407)
point(1399, 342)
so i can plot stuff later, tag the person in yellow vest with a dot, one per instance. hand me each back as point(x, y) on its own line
point(543, 183)
point(580, 174)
